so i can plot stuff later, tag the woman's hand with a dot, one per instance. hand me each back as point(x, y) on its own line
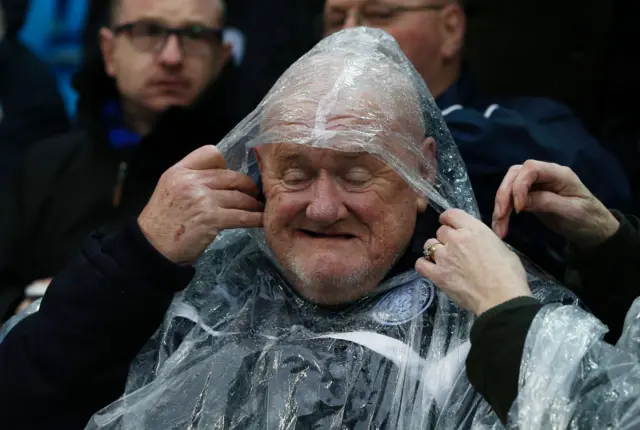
point(561, 201)
point(473, 266)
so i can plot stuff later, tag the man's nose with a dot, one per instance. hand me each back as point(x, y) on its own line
point(171, 54)
point(352, 19)
point(327, 206)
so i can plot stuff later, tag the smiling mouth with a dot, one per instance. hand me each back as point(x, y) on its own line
point(318, 235)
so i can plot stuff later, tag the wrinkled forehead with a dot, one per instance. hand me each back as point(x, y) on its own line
point(346, 103)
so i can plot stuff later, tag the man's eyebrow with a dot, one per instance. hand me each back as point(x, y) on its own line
point(163, 21)
point(336, 9)
point(287, 155)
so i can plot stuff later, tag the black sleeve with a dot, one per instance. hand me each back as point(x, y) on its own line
point(497, 342)
point(62, 364)
point(11, 217)
point(607, 278)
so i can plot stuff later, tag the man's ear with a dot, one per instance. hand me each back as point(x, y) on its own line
point(453, 28)
point(107, 47)
point(429, 150)
point(226, 50)
point(431, 170)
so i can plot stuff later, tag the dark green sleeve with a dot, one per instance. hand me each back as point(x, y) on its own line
point(607, 278)
point(497, 341)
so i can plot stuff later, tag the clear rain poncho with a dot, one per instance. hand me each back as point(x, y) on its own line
point(238, 349)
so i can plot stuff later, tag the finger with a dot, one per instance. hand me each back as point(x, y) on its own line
point(541, 202)
point(224, 179)
point(205, 157)
point(546, 176)
point(232, 199)
point(444, 234)
point(431, 242)
point(458, 219)
point(503, 203)
point(237, 218)
point(427, 269)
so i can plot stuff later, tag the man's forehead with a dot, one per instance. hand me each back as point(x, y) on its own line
point(292, 152)
point(174, 12)
point(348, 4)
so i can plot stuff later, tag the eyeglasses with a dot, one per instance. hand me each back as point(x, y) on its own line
point(376, 14)
point(149, 36)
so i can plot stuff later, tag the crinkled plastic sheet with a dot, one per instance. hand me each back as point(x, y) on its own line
point(571, 379)
point(239, 350)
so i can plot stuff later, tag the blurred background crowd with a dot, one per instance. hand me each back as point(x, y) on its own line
point(58, 184)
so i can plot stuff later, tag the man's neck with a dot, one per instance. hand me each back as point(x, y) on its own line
point(448, 76)
point(138, 119)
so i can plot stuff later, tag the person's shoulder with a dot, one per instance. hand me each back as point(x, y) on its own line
point(45, 158)
point(22, 64)
point(59, 147)
point(532, 107)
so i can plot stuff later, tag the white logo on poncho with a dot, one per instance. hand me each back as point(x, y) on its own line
point(404, 303)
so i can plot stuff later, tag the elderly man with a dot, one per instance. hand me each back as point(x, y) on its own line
point(306, 310)
point(159, 91)
point(492, 133)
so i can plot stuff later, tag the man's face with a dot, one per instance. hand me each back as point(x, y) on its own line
point(173, 74)
point(336, 221)
point(429, 32)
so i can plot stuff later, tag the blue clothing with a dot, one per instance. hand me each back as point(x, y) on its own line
point(120, 136)
point(494, 134)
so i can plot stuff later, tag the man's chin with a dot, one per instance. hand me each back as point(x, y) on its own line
point(329, 281)
point(164, 102)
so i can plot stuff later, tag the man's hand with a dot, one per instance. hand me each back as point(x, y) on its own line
point(194, 201)
point(561, 201)
point(473, 266)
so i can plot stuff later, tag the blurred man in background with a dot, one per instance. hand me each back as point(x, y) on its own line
point(158, 92)
point(30, 107)
point(492, 133)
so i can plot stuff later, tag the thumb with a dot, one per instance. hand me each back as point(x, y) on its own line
point(204, 158)
point(427, 269)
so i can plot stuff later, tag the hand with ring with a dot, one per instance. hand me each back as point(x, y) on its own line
point(471, 264)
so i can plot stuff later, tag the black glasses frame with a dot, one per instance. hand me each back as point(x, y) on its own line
point(210, 33)
point(403, 9)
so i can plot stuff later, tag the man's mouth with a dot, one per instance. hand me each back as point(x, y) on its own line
point(320, 235)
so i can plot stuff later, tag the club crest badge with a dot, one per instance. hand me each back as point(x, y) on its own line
point(404, 303)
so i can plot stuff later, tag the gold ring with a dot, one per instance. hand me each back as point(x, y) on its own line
point(430, 252)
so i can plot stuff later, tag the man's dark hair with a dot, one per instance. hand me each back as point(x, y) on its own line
point(114, 10)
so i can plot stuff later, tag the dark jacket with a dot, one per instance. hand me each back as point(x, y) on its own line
point(69, 186)
point(505, 327)
point(71, 358)
point(31, 108)
point(494, 134)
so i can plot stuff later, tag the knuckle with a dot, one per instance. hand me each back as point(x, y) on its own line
point(565, 171)
point(515, 168)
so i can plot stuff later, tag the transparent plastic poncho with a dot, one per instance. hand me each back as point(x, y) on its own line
point(238, 350)
point(571, 379)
